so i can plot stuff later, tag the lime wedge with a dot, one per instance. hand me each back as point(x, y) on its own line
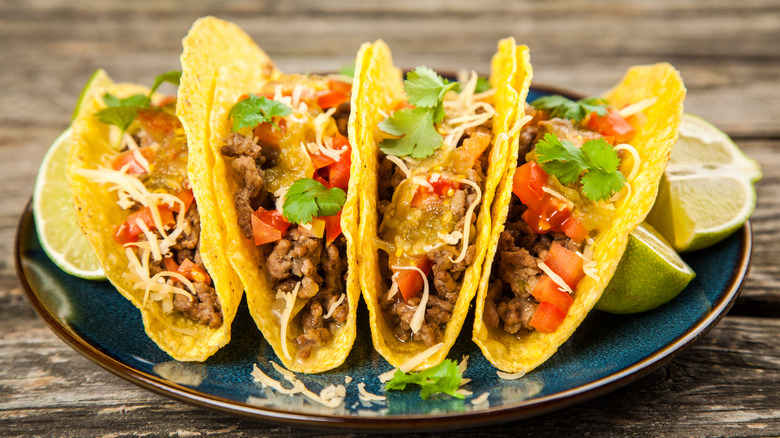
point(707, 191)
point(650, 274)
point(55, 216)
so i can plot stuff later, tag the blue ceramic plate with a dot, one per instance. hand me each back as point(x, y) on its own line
point(607, 351)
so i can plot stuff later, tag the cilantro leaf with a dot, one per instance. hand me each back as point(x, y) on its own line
point(348, 69)
point(560, 158)
point(443, 378)
point(482, 85)
point(596, 158)
point(565, 108)
point(419, 136)
point(255, 110)
point(173, 77)
point(307, 198)
point(121, 112)
point(425, 88)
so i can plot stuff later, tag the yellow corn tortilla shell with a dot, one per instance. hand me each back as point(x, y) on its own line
point(654, 139)
point(380, 88)
point(220, 63)
point(98, 214)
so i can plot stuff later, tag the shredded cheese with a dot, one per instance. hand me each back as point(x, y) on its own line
point(464, 392)
point(289, 304)
point(510, 376)
point(467, 218)
point(464, 363)
point(635, 154)
point(420, 358)
point(331, 396)
point(638, 107)
point(334, 306)
point(555, 277)
point(367, 396)
point(400, 163)
point(394, 287)
point(419, 314)
point(481, 399)
point(347, 379)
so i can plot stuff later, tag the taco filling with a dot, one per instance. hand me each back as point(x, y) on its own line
point(429, 191)
point(290, 157)
point(564, 190)
point(161, 230)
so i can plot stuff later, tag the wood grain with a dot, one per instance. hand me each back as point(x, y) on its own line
point(725, 384)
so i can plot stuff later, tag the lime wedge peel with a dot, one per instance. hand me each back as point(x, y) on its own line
point(707, 191)
point(53, 210)
point(650, 274)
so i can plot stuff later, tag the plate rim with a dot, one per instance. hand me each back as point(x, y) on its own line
point(390, 423)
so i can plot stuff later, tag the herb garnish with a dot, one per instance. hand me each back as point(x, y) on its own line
point(122, 112)
point(444, 377)
point(561, 107)
point(307, 198)
point(254, 110)
point(415, 126)
point(596, 158)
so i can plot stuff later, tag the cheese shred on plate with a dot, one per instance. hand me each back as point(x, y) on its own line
point(331, 396)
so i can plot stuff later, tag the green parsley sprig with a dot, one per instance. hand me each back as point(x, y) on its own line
point(565, 108)
point(254, 110)
point(122, 112)
point(307, 198)
point(415, 127)
point(595, 165)
point(443, 378)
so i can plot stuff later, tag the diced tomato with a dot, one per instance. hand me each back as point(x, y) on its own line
point(157, 123)
point(167, 100)
point(527, 184)
point(321, 160)
point(340, 86)
point(122, 234)
point(546, 290)
point(339, 171)
point(475, 145)
point(187, 198)
point(547, 317)
point(612, 125)
point(268, 135)
point(551, 215)
point(409, 281)
point(128, 157)
point(330, 98)
point(268, 226)
point(193, 272)
point(145, 214)
point(332, 227)
point(170, 264)
point(567, 264)
point(427, 198)
point(574, 228)
point(403, 104)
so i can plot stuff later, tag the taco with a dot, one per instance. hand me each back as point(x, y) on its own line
point(586, 174)
point(432, 154)
point(151, 229)
point(275, 148)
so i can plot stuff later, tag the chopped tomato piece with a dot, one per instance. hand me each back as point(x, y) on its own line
point(145, 215)
point(612, 125)
point(339, 171)
point(427, 198)
point(170, 264)
point(475, 145)
point(268, 135)
point(193, 272)
point(546, 290)
point(567, 264)
point(187, 198)
point(321, 160)
point(268, 226)
point(332, 227)
point(403, 104)
point(330, 98)
point(167, 100)
point(128, 157)
point(409, 281)
point(574, 228)
point(157, 123)
point(122, 234)
point(340, 86)
point(547, 317)
point(527, 184)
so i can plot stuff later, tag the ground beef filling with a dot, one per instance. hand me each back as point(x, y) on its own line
point(203, 306)
point(445, 279)
point(296, 258)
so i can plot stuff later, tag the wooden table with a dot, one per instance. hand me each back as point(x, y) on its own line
point(727, 383)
